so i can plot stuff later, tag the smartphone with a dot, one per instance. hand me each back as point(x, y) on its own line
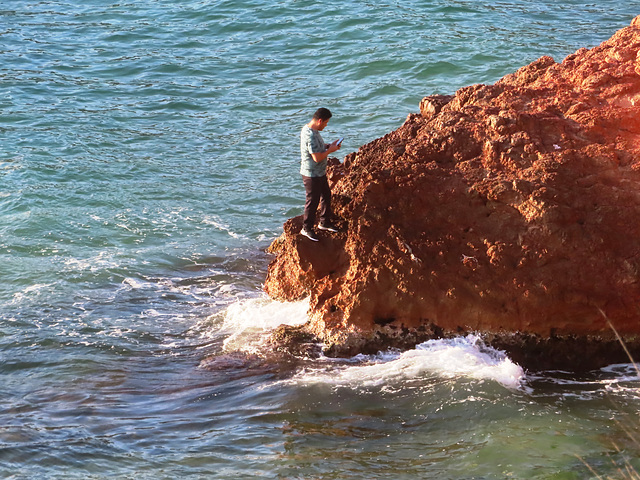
point(340, 141)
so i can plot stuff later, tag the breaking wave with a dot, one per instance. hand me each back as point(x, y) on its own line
point(461, 357)
point(247, 324)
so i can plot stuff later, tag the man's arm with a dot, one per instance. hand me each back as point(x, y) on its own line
point(322, 156)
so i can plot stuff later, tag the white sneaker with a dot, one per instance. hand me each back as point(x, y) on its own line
point(310, 234)
point(329, 227)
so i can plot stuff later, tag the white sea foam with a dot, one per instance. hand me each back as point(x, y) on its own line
point(30, 291)
point(103, 260)
point(621, 380)
point(134, 284)
point(216, 222)
point(451, 358)
point(248, 322)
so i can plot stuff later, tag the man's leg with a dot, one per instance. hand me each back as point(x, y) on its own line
point(326, 214)
point(312, 193)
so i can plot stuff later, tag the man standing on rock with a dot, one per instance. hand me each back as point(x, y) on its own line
point(313, 154)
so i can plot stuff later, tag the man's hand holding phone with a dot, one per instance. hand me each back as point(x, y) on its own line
point(335, 145)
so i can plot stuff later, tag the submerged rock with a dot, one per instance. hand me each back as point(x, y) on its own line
point(510, 209)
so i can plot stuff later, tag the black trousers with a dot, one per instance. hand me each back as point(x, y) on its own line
point(317, 193)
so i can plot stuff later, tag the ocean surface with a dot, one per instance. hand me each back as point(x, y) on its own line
point(148, 156)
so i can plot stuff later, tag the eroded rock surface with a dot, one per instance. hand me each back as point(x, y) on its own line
point(510, 209)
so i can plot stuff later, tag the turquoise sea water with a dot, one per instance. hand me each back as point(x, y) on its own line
point(148, 155)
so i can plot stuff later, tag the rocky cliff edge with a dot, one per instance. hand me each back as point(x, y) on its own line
point(510, 209)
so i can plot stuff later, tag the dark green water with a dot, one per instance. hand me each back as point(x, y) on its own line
point(148, 155)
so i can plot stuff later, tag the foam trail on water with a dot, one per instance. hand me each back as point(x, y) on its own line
point(451, 358)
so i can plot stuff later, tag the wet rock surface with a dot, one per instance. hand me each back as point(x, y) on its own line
point(510, 209)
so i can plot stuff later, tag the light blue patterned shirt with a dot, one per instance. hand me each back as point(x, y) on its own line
point(311, 142)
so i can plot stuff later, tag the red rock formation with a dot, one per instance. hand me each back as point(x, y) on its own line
point(510, 209)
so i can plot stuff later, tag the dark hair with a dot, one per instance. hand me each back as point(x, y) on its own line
point(322, 114)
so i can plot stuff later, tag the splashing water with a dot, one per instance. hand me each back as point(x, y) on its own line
point(449, 358)
point(246, 325)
